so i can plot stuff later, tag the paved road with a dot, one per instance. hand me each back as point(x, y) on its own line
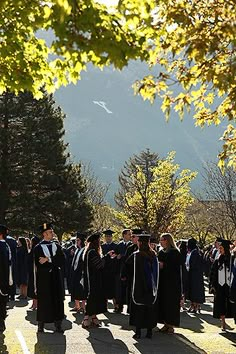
point(198, 334)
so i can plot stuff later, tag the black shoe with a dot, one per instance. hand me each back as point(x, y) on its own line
point(40, 327)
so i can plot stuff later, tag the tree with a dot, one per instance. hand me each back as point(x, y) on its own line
point(155, 201)
point(37, 180)
point(220, 191)
point(191, 44)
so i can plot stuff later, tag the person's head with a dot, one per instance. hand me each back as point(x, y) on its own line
point(126, 234)
point(80, 237)
point(23, 243)
point(191, 244)
point(144, 245)
point(167, 241)
point(3, 232)
point(135, 235)
point(34, 241)
point(224, 247)
point(47, 231)
point(93, 242)
point(153, 243)
point(108, 234)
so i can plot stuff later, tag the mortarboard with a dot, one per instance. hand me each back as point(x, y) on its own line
point(93, 237)
point(45, 227)
point(108, 232)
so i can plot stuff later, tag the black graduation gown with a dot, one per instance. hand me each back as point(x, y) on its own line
point(127, 272)
point(13, 246)
point(222, 304)
point(4, 280)
point(77, 289)
point(22, 266)
point(110, 270)
point(121, 285)
point(69, 253)
point(93, 283)
point(49, 284)
point(143, 312)
point(195, 280)
point(170, 287)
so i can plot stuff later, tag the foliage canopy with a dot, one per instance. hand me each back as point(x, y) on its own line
point(192, 43)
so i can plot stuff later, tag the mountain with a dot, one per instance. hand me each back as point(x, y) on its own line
point(106, 124)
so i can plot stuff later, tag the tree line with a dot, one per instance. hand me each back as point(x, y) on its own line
point(39, 181)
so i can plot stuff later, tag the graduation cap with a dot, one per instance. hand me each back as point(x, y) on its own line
point(219, 239)
point(108, 232)
point(153, 240)
point(93, 237)
point(45, 227)
point(137, 231)
point(3, 229)
point(225, 243)
point(144, 237)
point(80, 235)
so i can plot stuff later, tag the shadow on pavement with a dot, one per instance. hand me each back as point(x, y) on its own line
point(3, 347)
point(103, 341)
point(166, 343)
point(231, 336)
point(119, 319)
point(50, 343)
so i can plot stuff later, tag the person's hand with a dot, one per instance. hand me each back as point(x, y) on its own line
point(112, 254)
point(43, 260)
point(161, 265)
point(119, 256)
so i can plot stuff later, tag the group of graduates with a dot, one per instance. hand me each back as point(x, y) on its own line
point(153, 282)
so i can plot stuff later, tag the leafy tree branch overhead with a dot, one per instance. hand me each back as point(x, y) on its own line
point(193, 43)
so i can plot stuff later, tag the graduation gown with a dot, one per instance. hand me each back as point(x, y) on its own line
point(170, 287)
point(127, 272)
point(49, 282)
point(5, 259)
point(110, 270)
point(121, 285)
point(195, 280)
point(22, 266)
point(76, 273)
point(13, 246)
point(220, 276)
point(93, 283)
point(143, 312)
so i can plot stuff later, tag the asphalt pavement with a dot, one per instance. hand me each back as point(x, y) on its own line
point(199, 333)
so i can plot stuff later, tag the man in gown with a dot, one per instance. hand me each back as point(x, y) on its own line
point(49, 262)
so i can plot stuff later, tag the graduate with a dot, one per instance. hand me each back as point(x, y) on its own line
point(170, 284)
point(5, 275)
point(127, 269)
point(121, 285)
point(220, 282)
point(49, 262)
point(109, 251)
point(93, 281)
point(76, 273)
point(143, 312)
